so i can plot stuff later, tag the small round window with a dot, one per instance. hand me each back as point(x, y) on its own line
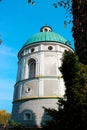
point(32, 50)
point(27, 90)
point(50, 48)
point(45, 30)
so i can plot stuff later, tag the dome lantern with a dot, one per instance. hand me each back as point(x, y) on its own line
point(46, 29)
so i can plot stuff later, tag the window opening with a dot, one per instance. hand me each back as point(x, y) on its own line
point(32, 68)
point(45, 30)
point(32, 50)
point(27, 90)
point(50, 48)
point(28, 116)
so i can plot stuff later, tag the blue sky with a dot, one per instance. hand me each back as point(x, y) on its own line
point(18, 21)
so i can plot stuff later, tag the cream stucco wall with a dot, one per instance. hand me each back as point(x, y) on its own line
point(48, 78)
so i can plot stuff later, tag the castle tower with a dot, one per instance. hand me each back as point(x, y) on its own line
point(39, 80)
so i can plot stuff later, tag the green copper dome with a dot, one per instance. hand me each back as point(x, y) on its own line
point(46, 35)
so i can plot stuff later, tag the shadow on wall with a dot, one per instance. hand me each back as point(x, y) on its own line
point(45, 118)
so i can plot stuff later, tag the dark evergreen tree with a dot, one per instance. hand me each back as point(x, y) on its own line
point(72, 113)
point(75, 77)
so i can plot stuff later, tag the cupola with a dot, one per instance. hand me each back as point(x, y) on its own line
point(46, 29)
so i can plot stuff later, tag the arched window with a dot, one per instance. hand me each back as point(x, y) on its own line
point(32, 68)
point(27, 116)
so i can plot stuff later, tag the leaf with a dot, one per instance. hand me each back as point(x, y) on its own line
point(66, 16)
point(33, 3)
point(29, 1)
point(64, 6)
point(65, 25)
point(70, 21)
point(55, 5)
point(60, 4)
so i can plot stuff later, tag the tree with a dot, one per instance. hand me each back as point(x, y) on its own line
point(79, 29)
point(75, 77)
point(14, 125)
point(78, 9)
point(4, 117)
point(72, 113)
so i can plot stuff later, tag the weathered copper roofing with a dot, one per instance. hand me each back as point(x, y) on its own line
point(46, 37)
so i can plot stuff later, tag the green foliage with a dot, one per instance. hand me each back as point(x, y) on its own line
point(31, 2)
point(67, 5)
point(76, 90)
point(51, 123)
point(72, 113)
point(15, 125)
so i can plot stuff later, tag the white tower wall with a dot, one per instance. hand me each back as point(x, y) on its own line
point(39, 81)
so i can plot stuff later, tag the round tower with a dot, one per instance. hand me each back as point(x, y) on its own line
point(39, 81)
